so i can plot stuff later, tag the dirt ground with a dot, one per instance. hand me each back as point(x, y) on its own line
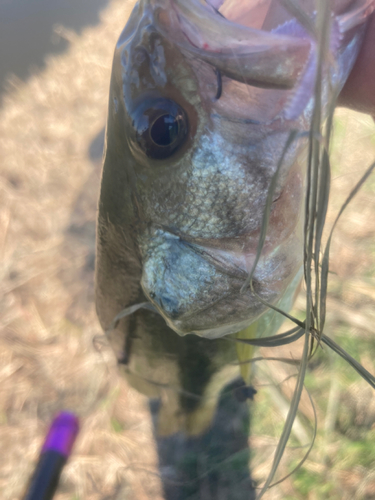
point(52, 351)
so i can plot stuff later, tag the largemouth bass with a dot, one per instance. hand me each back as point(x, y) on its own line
point(202, 100)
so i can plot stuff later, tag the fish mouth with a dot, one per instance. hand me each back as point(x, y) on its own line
point(196, 285)
point(268, 60)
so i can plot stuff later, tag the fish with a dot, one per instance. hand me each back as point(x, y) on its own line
point(203, 97)
point(210, 105)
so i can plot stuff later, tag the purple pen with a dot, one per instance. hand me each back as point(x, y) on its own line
point(55, 452)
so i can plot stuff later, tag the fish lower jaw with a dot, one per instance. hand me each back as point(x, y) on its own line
point(198, 289)
point(229, 314)
point(213, 321)
point(209, 306)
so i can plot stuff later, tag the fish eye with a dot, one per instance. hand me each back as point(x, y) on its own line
point(161, 127)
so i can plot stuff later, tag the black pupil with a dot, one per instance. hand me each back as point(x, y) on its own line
point(161, 127)
point(164, 130)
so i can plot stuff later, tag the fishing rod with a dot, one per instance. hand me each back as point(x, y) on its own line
point(55, 452)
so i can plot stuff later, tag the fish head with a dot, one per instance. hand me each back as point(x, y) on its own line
point(194, 141)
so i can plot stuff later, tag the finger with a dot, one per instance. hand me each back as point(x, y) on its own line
point(359, 90)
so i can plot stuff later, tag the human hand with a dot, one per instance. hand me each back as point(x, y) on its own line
point(359, 90)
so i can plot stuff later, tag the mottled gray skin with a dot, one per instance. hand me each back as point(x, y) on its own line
point(182, 233)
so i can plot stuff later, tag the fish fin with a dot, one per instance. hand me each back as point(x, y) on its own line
point(245, 351)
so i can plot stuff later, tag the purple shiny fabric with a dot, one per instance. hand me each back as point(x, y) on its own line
point(62, 434)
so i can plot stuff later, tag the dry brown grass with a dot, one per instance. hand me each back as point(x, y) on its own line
point(49, 189)
point(48, 192)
